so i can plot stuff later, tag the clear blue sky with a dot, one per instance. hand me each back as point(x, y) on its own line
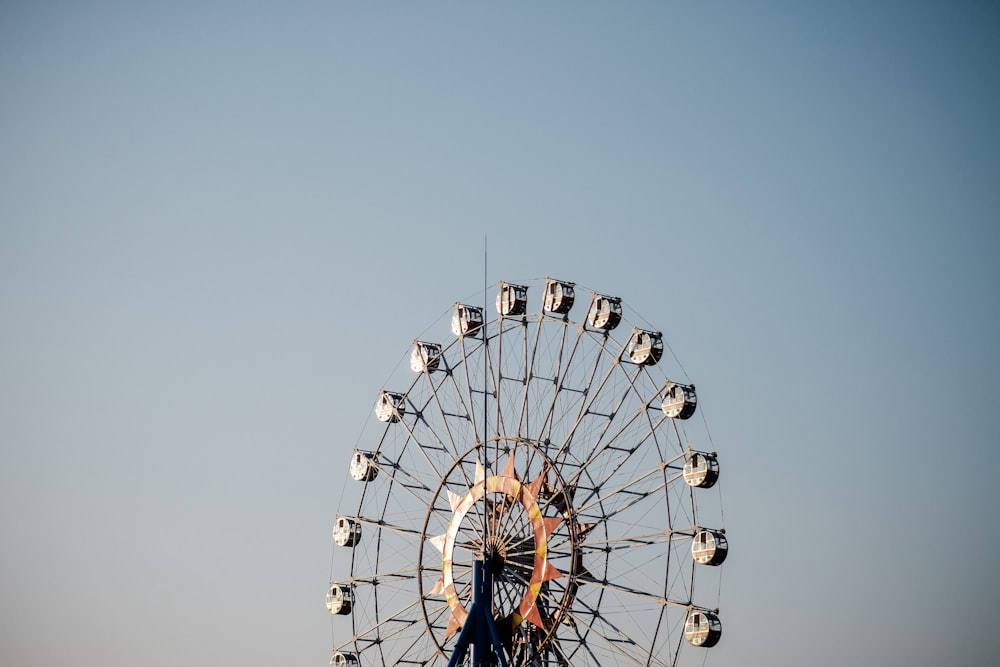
point(223, 223)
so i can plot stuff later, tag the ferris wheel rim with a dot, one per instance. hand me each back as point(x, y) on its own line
point(479, 491)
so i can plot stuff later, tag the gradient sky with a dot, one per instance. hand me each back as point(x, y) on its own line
point(223, 223)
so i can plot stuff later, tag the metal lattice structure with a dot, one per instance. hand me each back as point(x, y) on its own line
point(551, 457)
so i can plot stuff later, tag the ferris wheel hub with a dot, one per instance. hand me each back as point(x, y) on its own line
point(495, 554)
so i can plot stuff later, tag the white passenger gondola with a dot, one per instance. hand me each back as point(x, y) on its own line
point(363, 468)
point(703, 628)
point(559, 296)
point(709, 547)
point(645, 347)
point(701, 470)
point(466, 320)
point(512, 299)
point(605, 312)
point(425, 356)
point(339, 599)
point(346, 532)
point(343, 660)
point(679, 400)
point(389, 406)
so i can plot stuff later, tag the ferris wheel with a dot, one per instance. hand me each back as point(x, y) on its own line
point(536, 480)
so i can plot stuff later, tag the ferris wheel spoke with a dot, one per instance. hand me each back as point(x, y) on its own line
point(493, 389)
point(523, 578)
point(532, 379)
point(513, 385)
point(555, 379)
point(517, 536)
point(617, 643)
point(561, 371)
point(421, 649)
point(630, 542)
point(626, 499)
point(508, 395)
point(399, 621)
point(435, 616)
point(423, 433)
point(555, 646)
point(656, 634)
point(618, 448)
point(406, 628)
point(423, 446)
point(386, 577)
point(530, 355)
point(603, 628)
point(586, 406)
point(465, 394)
point(623, 456)
point(382, 524)
point(491, 374)
point(566, 382)
point(626, 590)
point(466, 403)
point(508, 596)
point(626, 489)
point(446, 416)
point(604, 413)
point(516, 552)
point(407, 482)
point(498, 372)
point(603, 443)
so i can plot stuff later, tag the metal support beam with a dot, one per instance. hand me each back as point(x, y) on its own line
point(480, 631)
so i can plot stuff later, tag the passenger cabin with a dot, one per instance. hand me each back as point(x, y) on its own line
point(347, 532)
point(512, 299)
point(679, 400)
point(466, 320)
point(363, 468)
point(559, 296)
point(389, 406)
point(703, 628)
point(605, 312)
point(709, 547)
point(339, 599)
point(701, 470)
point(425, 357)
point(343, 660)
point(645, 347)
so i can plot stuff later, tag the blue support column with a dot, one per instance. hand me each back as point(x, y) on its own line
point(480, 631)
